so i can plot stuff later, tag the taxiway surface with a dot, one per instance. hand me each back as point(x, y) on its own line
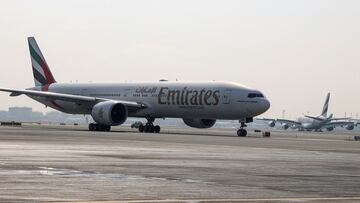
point(61, 164)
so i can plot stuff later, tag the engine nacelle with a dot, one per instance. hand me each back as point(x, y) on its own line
point(285, 126)
point(330, 128)
point(271, 124)
point(349, 127)
point(109, 113)
point(199, 123)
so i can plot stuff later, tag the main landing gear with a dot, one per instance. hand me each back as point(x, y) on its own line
point(99, 127)
point(242, 132)
point(149, 127)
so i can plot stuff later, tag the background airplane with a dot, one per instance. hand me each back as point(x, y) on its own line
point(316, 123)
point(198, 104)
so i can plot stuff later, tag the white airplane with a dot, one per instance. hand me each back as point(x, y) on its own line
point(316, 123)
point(198, 104)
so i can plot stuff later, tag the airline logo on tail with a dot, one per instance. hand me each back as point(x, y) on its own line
point(326, 105)
point(41, 71)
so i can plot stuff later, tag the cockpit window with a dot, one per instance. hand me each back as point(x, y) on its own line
point(253, 95)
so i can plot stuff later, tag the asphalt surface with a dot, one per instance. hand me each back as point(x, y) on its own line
point(70, 164)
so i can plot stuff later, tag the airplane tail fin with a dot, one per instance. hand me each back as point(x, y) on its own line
point(326, 105)
point(41, 71)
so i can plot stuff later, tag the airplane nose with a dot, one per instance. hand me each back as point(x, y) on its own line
point(266, 104)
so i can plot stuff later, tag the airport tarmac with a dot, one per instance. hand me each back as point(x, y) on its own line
point(71, 164)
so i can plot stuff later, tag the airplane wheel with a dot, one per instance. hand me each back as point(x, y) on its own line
point(141, 128)
point(157, 129)
point(146, 128)
point(241, 133)
point(149, 128)
point(91, 127)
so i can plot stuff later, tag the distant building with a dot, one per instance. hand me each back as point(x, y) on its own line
point(23, 114)
point(20, 110)
point(26, 114)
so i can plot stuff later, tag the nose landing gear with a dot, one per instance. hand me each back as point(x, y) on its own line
point(149, 127)
point(242, 132)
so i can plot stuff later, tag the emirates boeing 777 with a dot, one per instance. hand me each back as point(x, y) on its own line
point(199, 104)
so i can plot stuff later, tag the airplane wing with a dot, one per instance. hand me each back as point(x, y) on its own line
point(288, 121)
point(356, 121)
point(339, 123)
point(292, 123)
point(337, 119)
point(67, 97)
point(266, 119)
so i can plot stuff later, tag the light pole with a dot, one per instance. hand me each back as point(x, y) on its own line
point(283, 114)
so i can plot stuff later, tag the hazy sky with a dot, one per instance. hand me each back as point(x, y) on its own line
point(293, 51)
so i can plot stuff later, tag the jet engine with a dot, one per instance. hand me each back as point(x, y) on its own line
point(271, 124)
point(199, 123)
point(109, 113)
point(350, 127)
point(331, 128)
point(285, 126)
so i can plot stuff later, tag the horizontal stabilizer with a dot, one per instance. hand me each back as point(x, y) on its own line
point(315, 118)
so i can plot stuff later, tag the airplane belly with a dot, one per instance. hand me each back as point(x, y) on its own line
point(71, 107)
point(175, 112)
point(182, 111)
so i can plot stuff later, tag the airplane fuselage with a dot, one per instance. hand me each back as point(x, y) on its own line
point(213, 100)
point(314, 124)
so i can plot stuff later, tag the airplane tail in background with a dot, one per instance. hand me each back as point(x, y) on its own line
point(326, 106)
point(41, 71)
